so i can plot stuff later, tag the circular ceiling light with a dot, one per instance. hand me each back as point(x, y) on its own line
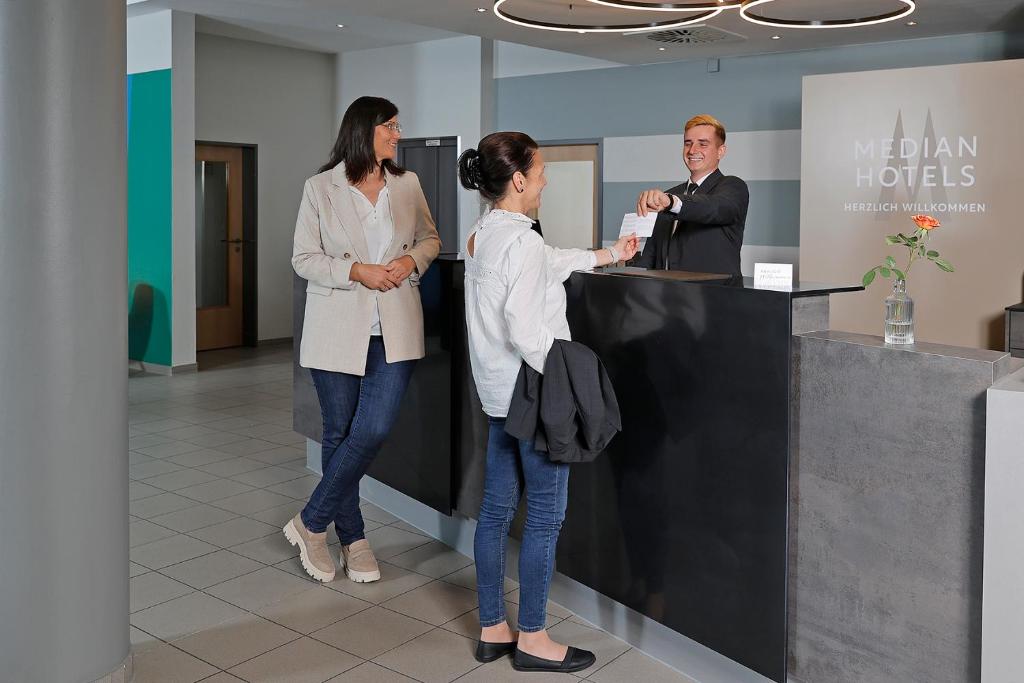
point(669, 6)
point(908, 6)
point(592, 28)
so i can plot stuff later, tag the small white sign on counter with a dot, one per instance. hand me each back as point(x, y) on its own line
point(642, 226)
point(773, 276)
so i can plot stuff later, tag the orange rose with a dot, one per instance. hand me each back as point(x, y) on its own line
point(925, 222)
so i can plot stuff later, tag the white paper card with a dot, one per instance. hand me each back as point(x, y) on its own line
point(773, 275)
point(643, 227)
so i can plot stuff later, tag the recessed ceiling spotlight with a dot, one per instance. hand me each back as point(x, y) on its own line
point(481, 9)
point(661, 49)
point(911, 23)
point(341, 25)
point(776, 37)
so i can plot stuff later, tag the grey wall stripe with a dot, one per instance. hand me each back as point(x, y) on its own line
point(757, 93)
point(760, 92)
point(773, 218)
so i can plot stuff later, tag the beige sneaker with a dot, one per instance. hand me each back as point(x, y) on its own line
point(359, 563)
point(313, 553)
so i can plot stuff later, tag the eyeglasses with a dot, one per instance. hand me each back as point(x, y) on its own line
point(393, 127)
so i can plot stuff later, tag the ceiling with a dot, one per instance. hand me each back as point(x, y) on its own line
point(312, 24)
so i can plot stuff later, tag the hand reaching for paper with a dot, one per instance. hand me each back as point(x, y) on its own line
point(627, 246)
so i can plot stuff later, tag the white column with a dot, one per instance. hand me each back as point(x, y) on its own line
point(1002, 612)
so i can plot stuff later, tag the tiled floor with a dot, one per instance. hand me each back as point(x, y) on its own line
point(218, 595)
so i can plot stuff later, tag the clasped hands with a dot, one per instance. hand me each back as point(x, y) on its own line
point(383, 277)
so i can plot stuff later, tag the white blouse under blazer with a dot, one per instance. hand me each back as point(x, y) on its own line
point(515, 302)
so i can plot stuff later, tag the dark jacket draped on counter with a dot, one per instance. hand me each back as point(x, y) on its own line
point(570, 412)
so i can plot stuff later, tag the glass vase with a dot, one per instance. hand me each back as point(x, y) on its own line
point(899, 315)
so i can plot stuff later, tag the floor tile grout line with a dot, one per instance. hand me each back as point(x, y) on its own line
point(229, 548)
point(299, 634)
point(230, 388)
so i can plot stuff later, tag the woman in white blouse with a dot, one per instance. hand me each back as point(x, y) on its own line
point(363, 238)
point(515, 309)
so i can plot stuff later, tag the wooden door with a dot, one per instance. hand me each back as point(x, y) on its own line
point(570, 208)
point(219, 247)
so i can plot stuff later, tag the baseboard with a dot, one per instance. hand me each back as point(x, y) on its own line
point(122, 674)
point(278, 341)
point(158, 369)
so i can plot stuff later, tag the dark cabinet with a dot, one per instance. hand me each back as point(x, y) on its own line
point(1015, 330)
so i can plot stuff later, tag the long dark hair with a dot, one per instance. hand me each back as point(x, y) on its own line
point(489, 168)
point(354, 145)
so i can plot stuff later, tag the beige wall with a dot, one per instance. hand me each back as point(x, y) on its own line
point(959, 161)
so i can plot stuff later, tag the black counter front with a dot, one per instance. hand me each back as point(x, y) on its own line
point(684, 517)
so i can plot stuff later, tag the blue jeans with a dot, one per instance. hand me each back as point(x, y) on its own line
point(358, 412)
point(547, 487)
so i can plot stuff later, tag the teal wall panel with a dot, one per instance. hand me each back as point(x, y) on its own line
point(149, 217)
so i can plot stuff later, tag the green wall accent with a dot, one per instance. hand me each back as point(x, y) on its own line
point(149, 217)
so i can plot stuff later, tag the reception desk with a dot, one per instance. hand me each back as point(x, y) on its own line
point(690, 517)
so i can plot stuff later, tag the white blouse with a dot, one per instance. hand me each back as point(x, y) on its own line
point(515, 302)
point(379, 227)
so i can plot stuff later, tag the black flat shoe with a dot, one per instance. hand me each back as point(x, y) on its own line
point(575, 660)
point(488, 652)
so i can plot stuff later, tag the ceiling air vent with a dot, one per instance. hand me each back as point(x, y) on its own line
point(695, 35)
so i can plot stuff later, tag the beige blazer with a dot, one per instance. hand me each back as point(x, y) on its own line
point(329, 238)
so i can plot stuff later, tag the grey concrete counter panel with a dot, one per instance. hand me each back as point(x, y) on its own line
point(886, 509)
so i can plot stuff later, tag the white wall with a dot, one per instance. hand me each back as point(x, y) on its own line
point(283, 101)
point(149, 42)
point(438, 87)
point(513, 59)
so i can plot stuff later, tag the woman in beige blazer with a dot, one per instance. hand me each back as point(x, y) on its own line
point(363, 238)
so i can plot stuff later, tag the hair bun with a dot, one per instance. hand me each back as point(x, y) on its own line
point(470, 175)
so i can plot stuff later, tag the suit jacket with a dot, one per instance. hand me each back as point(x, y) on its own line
point(709, 232)
point(329, 238)
point(570, 411)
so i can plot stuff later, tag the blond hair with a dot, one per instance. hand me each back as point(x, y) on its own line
point(707, 120)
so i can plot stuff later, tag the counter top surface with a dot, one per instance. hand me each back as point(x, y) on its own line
point(798, 289)
point(963, 352)
point(1013, 382)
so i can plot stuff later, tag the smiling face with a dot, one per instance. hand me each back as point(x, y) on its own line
point(385, 139)
point(702, 151)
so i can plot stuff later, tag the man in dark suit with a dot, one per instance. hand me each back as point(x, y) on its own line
point(700, 226)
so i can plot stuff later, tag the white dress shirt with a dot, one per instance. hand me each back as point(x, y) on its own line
point(379, 227)
point(677, 203)
point(515, 302)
